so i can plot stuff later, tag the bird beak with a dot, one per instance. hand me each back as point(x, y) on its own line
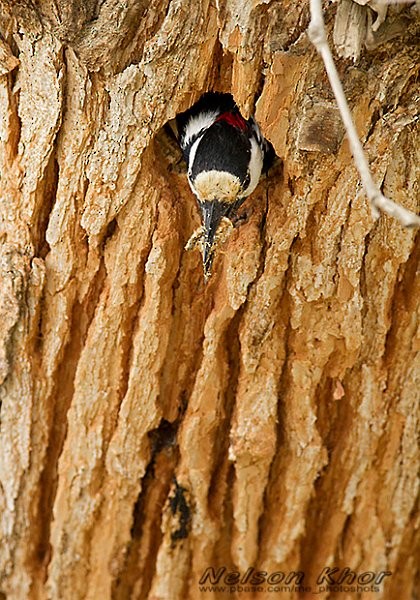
point(213, 211)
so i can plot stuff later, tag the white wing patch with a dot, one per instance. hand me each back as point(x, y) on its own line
point(193, 151)
point(197, 124)
point(255, 167)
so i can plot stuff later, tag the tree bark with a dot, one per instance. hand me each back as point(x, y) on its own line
point(153, 426)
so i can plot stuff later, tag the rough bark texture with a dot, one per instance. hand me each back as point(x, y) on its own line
point(152, 426)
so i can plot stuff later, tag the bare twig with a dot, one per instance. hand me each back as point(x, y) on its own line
point(378, 201)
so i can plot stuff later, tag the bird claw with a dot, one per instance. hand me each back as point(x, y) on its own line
point(243, 217)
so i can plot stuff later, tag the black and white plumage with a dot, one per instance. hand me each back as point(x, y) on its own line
point(225, 155)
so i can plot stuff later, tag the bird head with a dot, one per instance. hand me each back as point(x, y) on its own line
point(219, 196)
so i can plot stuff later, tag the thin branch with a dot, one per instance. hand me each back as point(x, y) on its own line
point(378, 201)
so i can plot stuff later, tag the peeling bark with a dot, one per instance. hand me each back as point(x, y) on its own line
point(153, 426)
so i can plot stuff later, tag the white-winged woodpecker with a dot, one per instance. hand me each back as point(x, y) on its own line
point(225, 155)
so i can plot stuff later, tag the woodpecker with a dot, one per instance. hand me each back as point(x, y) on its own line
point(225, 155)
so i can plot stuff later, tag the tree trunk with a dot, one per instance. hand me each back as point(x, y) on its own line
point(153, 426)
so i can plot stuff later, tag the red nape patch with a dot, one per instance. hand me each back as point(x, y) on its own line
point(234, 119)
